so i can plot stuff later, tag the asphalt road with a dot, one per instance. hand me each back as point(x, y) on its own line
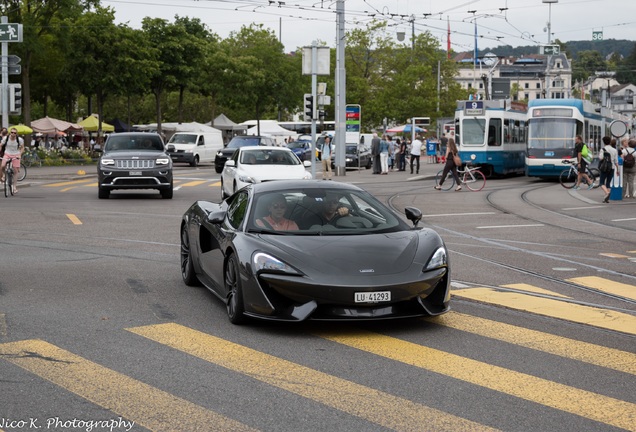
point(97, 329)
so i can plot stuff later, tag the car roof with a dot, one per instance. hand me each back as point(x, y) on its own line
point(261, 148)
point(283, 185)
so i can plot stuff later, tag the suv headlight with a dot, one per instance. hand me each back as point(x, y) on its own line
point(162, 161)
point(107, 162)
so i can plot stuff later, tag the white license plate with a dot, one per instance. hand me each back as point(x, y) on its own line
point(135, 173)
point(372, 297)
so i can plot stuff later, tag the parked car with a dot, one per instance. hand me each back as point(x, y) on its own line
point(301, 148)
point(194, 147)
point(354, 152)
point(259, 164)
point(366, 263)
point(134, 160)
point(236, 143)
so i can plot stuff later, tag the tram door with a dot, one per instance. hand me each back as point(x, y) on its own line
point(494, 132)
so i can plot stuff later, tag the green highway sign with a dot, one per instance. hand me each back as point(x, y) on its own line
point(11, 32)
point(597, 35)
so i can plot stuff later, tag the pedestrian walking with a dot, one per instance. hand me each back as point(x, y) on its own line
point(416, 151)
point(325, 158)
point(450, 165)
point(629, 168)
point(384, 155)
point(608, 159)
point(375, 153)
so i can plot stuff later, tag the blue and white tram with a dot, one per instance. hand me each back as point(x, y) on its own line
point(494, 131)
point(552, 126)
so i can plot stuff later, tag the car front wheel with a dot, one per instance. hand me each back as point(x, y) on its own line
point(103, 193)
point(187, 268)
point(234, 301)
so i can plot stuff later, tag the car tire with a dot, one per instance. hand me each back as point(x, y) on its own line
point(195, 161)
point(234, 300)
point(103, 193)
point(223, 194)
point(218, 170)
point(187, 268)
point(167, 193)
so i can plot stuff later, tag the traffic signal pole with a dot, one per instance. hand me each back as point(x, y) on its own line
point(314, 98)
point(5, 79)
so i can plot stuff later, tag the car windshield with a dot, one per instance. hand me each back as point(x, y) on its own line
point(321, 211)
point(183, 139)
point(243, 142)
point(134, 142)
point(268, 157)
point(351, 149)
point(296, 145)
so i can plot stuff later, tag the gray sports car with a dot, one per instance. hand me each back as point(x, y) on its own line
point(300, 250)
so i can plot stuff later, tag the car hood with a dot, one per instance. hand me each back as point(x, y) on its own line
point(130, 154)
point(378, 254)
point(181, 146)
point(274, 172)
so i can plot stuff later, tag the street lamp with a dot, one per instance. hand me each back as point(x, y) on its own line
point(550, 18)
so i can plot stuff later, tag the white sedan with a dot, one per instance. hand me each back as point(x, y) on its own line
point(258, 164)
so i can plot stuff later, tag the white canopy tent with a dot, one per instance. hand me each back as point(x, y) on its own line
point(272, 129)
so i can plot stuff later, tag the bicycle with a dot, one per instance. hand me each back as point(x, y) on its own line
point(569, 176)
point(9, 175)
point(30, 157)
point(474, 179)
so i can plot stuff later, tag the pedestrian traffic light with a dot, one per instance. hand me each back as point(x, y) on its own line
point(309, 107)
point(15, 99)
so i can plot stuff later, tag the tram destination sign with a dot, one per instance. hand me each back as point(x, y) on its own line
point(474, 108)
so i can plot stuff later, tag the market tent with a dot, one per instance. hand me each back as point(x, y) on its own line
point(270, 128)
point(224, 123)
point(120, 126)
point(177, 127)
point(51, 126)
point(91, 124)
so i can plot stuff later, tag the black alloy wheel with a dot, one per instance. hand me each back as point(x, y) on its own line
point(187, 268)
point(234, 302)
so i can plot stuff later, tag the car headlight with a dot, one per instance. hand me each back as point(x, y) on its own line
point(439, 259)
point(190, 151)
point(265, 262)
point(162, 161)
point(106, 162)
point(247, 179)
point(307, 176)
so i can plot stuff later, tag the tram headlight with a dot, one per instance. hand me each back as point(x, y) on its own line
point(473, 156)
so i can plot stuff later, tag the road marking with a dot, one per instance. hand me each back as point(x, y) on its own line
point(582, 208)
point(370, 404)
point(597, 317)
point(583, 403)
point(216, 184)
point(534, 289)
point(623, 220)
point(193, 183)
point(3, 326)
point(458, 214)
point(147, 406)
point(568, 348)
point(605, 285)
point(74, 219)
point(68, 183)
point(509, 226)
point(613, 255)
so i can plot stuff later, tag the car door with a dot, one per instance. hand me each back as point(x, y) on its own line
point(229, 173)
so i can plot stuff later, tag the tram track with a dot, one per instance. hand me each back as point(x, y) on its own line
point(571, 227)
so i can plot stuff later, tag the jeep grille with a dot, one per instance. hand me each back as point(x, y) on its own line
point(135, 164)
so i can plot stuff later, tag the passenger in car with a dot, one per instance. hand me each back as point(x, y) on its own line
point(276, 218)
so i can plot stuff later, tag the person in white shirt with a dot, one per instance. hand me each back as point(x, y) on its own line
point(13, 149)
point(325, 157)
point(416, 151)
point(607, 176)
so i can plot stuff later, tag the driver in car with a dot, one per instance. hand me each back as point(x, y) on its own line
point(330, 211)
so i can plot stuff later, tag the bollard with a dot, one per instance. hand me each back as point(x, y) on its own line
point(616, 188)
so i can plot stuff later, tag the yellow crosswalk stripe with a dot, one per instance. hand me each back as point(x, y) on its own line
point(74, 219)
point(216, 184)
point(68, 183)
point(606, 285)
point(193, 183)
point(613, 255)
point(598, 317)
point(559, 396)
point(147, 406)
point(568, 348)
point(373, 405)
point(534, 289)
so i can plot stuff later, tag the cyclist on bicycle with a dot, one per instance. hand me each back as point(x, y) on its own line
point(451, 152)
point(582, 163)
point(13, 149)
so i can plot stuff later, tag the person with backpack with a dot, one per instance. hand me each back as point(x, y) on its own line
point(629, 168)
point(581, 153)
point(608, 159)
point(13, 147)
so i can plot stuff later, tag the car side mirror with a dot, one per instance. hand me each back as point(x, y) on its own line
point(414, 215)
point(306, 164)
point(216, 217)
point(230, 163)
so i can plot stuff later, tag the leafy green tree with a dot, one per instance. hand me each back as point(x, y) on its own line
point(626, 69)
point(588, 63)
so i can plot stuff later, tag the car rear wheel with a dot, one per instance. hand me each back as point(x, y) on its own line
point(234, 301)
point(187, 268)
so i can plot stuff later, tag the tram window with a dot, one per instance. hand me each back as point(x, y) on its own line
point(473, 131)
point(494, 132)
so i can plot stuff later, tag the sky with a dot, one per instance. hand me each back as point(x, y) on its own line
point(298, 23)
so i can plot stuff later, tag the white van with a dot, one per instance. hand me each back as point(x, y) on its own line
point(194, 147)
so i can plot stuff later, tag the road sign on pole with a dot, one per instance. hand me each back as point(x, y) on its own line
point(10, 32)
point(14, 69)
point(13, 60)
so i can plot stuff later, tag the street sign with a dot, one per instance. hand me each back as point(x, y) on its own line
point(14, 69)
point(597, 35)
point(13, 60)
point(551, 49)
point(11, 32)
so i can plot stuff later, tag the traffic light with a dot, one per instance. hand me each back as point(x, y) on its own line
point(309, 107)
point(15, 99)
